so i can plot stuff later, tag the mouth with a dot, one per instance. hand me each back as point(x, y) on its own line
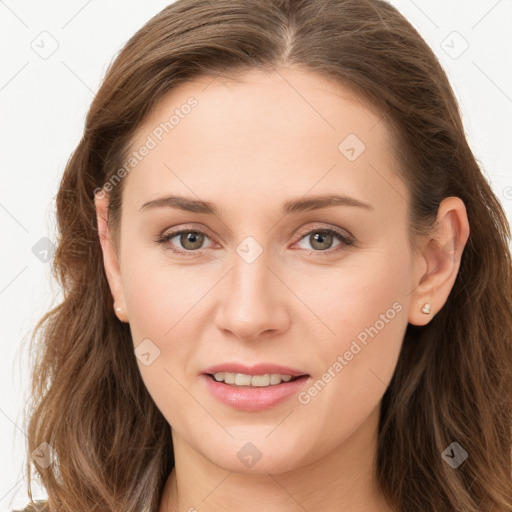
point(254, 381)
point(251, 392)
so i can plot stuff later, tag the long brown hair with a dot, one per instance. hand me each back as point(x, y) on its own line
point(453, 381)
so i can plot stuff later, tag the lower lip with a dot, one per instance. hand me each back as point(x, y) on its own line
point(247, 398)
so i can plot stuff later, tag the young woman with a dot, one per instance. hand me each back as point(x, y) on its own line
point(287, 282)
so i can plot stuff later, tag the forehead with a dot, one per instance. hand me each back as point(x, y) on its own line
point(290, 101)
point(262, 135)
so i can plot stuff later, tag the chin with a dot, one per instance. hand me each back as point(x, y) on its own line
point(253, 454)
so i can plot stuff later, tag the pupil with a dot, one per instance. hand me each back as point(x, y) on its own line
point(191, 240)
point(321, 240)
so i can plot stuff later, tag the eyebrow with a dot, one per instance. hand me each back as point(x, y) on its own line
point(292, 206)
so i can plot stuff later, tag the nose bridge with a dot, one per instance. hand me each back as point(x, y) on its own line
point(251, 302)
point(250, 280)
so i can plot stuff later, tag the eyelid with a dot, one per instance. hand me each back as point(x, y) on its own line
point(344, 234)
point(187, 227)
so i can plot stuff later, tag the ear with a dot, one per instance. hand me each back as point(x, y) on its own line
point(110, 255)
point(441, 257)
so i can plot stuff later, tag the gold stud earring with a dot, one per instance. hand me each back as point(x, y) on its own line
point(426, 309)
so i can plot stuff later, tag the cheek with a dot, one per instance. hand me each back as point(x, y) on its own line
point(161, 297)
point(163, 307)
point(363, 307)
point(365, 289)
point(165, 304)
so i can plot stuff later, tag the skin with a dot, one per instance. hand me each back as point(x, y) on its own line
point(250, 145)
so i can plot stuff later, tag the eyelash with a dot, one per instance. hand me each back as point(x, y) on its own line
point(345, 240)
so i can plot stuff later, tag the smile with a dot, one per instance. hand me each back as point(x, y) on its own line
point(264, 392)
point(243, 379)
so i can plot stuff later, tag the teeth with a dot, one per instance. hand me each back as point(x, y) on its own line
point(242, 379)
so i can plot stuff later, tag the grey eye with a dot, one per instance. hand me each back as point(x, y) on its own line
point(320, 240)
point(191, 240)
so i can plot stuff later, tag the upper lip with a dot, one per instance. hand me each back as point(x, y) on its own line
point(257, 369)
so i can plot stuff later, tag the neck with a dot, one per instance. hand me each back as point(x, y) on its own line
point(343, 479)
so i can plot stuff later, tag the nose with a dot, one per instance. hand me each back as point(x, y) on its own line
point(252, 302)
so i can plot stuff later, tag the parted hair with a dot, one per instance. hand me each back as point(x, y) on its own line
point(453, 380)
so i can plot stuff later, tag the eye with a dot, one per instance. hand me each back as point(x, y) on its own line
point(322, 239)
point(184, 241)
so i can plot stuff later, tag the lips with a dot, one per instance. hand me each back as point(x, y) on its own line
point(250, 398)
point(257, 369)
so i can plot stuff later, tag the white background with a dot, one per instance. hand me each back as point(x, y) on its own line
point(44, 102)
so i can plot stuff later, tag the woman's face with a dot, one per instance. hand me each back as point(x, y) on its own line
point(267, 271)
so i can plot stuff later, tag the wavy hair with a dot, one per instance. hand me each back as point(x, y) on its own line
point(453, 380)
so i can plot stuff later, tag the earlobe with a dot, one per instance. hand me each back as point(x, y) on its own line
point(110, 256)
point(441, 255)
point(120, 313)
